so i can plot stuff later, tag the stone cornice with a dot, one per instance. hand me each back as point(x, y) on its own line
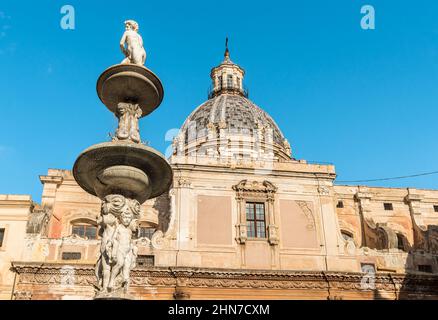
point(51, 179)
point(50, 273)
point(20, 201)
point(273, 172)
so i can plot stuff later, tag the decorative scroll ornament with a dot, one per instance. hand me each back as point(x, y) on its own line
point(242, 233)
point(305, 207)
point(323, 190)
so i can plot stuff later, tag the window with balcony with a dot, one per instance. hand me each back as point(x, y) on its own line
point(255, 220)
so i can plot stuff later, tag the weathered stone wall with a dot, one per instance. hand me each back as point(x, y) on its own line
point(14, 214)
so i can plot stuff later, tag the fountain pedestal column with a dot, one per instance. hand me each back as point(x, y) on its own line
point(123, 173)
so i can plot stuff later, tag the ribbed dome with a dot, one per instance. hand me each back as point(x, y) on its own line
point(231, 125)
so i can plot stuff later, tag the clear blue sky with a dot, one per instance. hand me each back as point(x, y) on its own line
point(363, 100)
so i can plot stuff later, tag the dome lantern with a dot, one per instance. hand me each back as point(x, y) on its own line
point(227, 77)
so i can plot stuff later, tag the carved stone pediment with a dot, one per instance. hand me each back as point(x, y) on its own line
point(255, 189)
point(255, 186)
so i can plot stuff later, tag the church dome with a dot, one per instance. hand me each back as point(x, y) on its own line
point(229, 125)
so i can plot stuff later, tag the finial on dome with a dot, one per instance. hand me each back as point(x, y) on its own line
point(227, 52)
point(227, 77)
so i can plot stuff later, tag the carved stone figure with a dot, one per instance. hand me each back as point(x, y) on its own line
point(132, 44)
point(128, 115)
point(118, 253)
point(107, 222)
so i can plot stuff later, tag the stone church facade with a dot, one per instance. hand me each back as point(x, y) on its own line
point(243, 219)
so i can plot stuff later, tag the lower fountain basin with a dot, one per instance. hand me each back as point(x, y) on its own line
point(120, 167)
point(126, 180)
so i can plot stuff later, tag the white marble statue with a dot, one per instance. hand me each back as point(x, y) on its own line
point(132, 44)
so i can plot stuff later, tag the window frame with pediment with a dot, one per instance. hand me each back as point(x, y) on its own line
point(256, 192)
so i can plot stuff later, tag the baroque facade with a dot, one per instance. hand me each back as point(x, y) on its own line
point(243, 219)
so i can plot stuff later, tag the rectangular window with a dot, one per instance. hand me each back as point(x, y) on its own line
point(91, 233)
point(145, 260)
point(388, 206)
point(85, 231)
point(146, 232)
point(435, 208)
point(255, 220)
point(400, 242)
point(2, 236)
point(71, 256)
point(340, 204)
point(229, 81)
point(79, 231)
point(425, 268)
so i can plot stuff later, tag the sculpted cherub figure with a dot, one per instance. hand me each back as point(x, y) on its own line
point(132, 44)
point(124, 252)
point(107, 222)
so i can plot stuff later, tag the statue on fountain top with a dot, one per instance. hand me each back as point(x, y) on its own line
point(132, 44)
